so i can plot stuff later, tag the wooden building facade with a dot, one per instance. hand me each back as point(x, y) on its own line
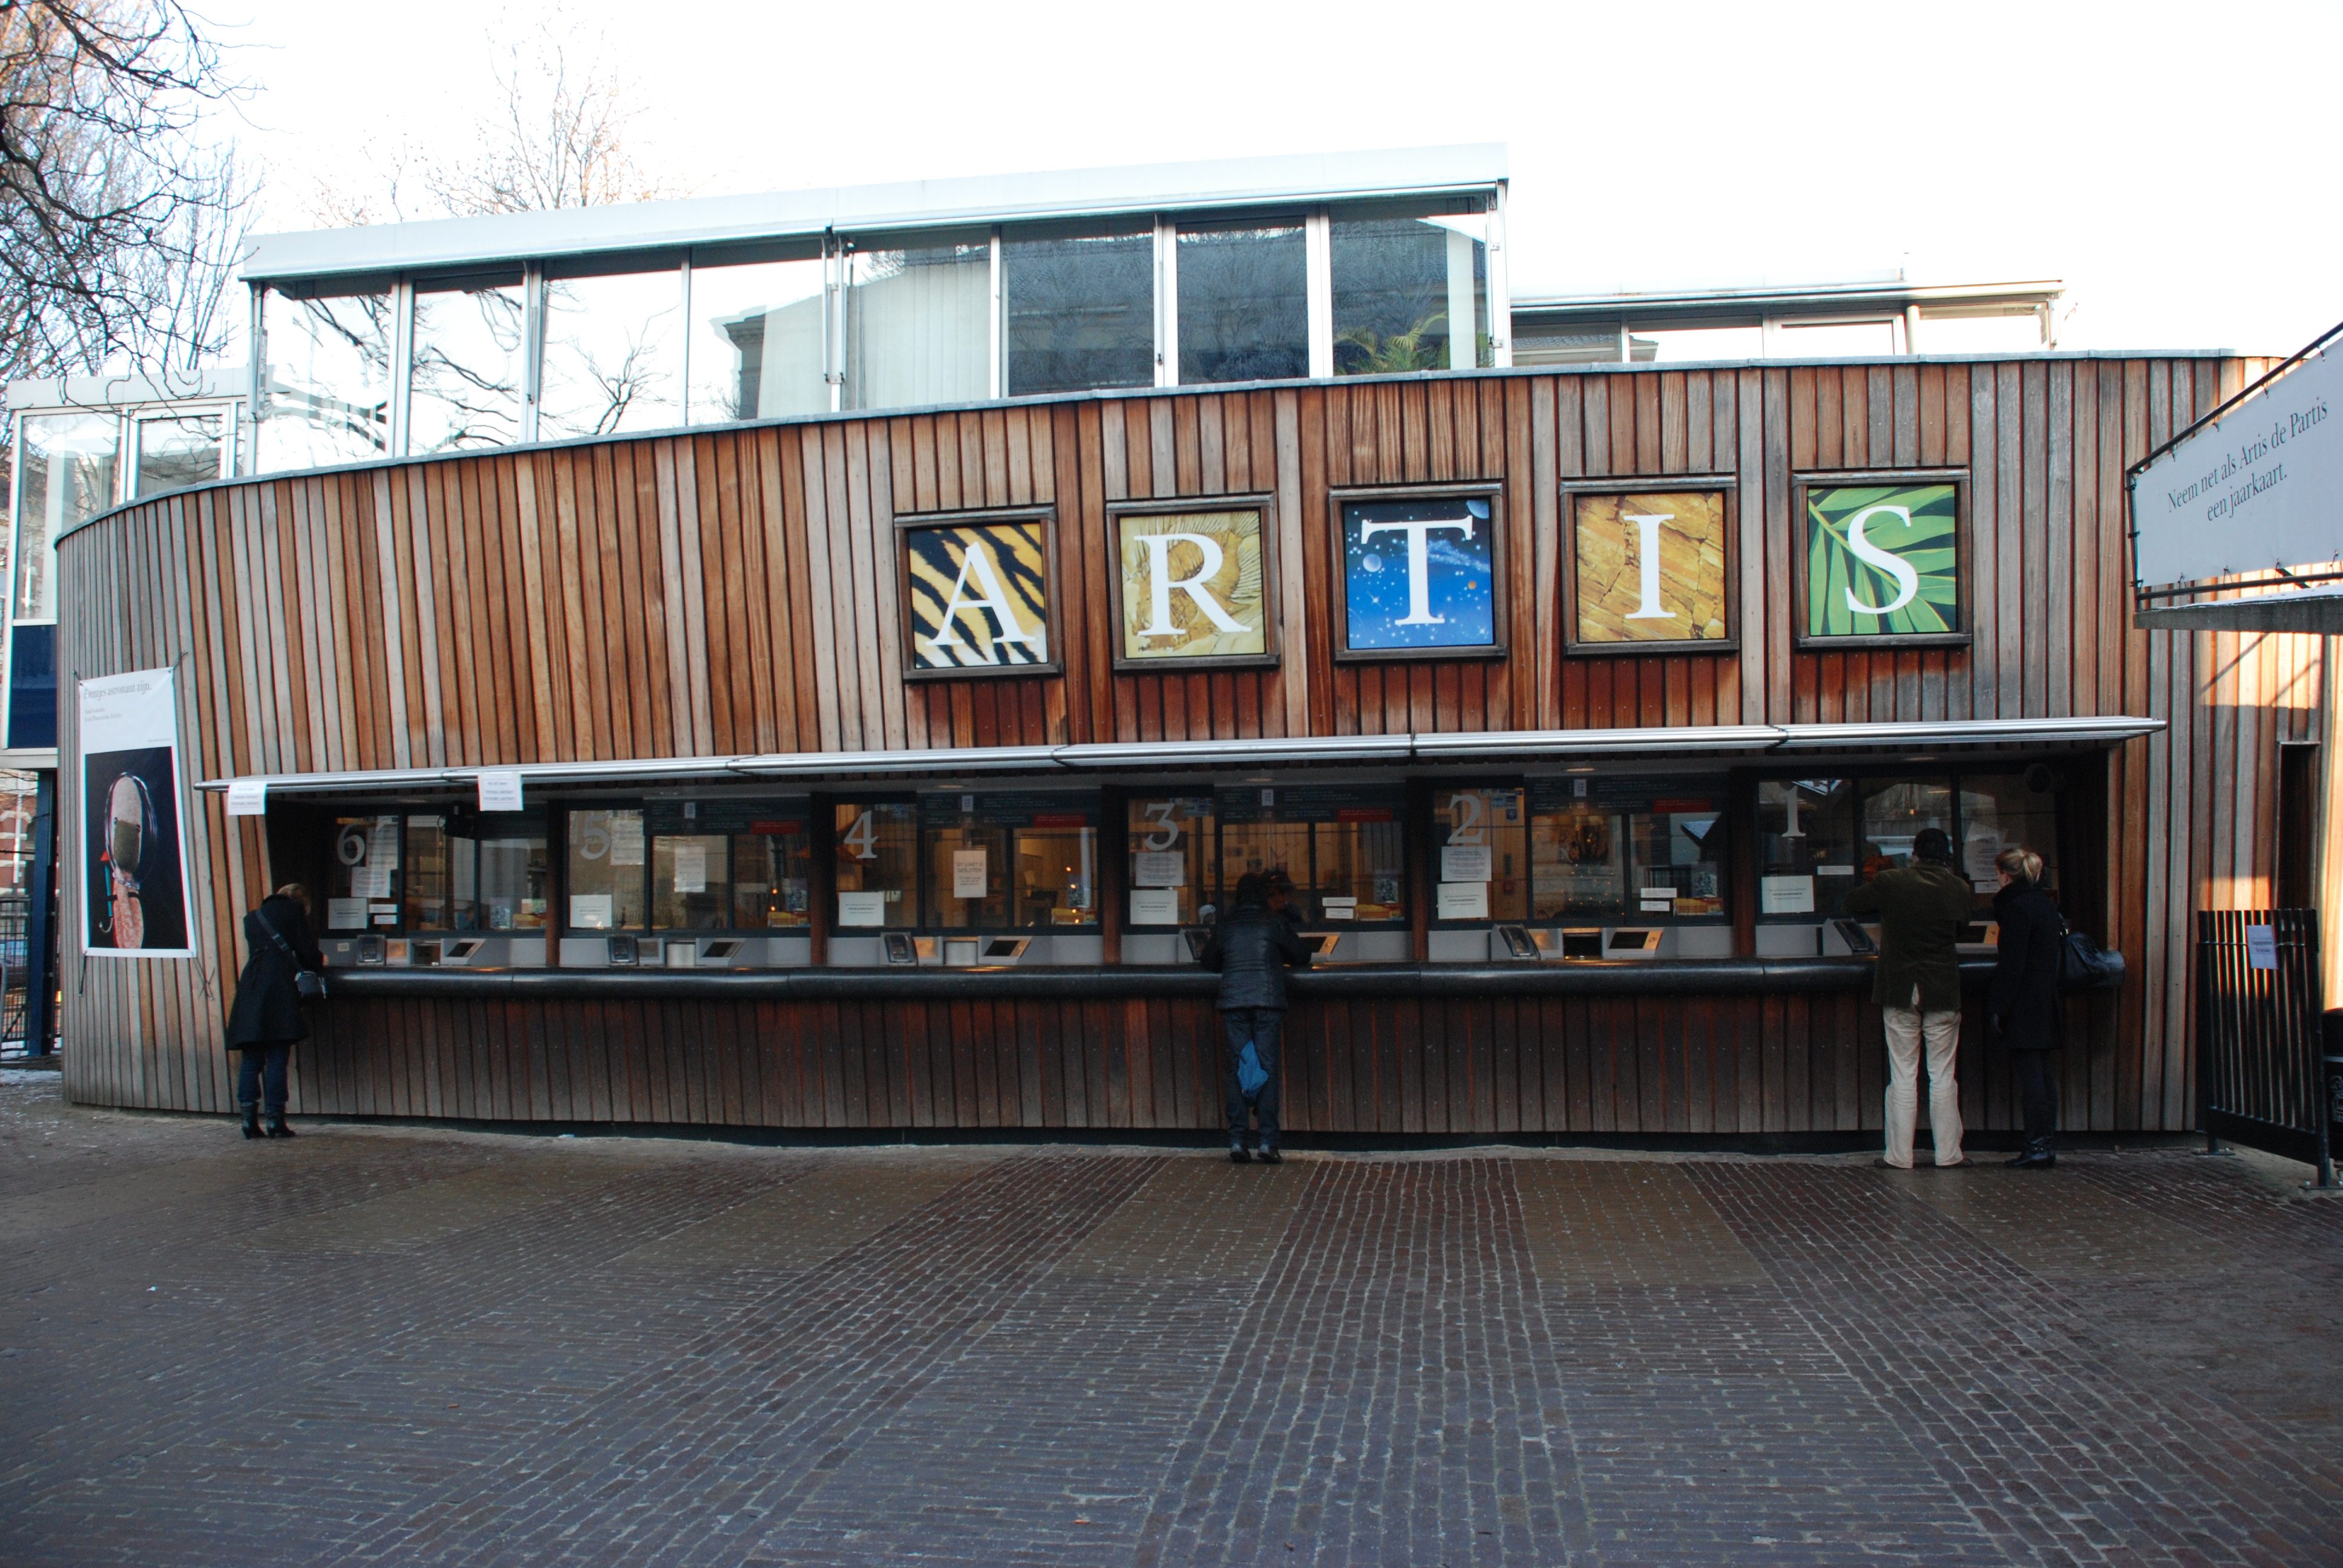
point(731, 610)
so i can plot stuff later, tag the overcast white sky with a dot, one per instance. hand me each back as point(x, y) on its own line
point(2177, 164)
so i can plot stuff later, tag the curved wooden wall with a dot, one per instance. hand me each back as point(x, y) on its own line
point(732, 590)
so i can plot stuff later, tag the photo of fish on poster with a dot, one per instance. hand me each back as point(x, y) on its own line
point(133, 853)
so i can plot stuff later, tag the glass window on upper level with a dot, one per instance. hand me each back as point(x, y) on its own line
point(918, 325)
point(177, 450)
point(1244, 301)
point(1079, 307)
point(328, 376)
point(613, 357)
point(756, 339)
point(1410, 290)
point(71, 464)
point(471, 354)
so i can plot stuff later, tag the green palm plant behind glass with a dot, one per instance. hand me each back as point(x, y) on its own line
point(1399, 351)
point(1882, 560)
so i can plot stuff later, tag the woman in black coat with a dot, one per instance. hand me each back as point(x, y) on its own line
point(2023, 1006)
point(266, 1019)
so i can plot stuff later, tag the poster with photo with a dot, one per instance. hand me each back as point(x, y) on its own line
point(134, 851)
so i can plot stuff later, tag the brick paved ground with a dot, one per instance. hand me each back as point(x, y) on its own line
point(407, 1346)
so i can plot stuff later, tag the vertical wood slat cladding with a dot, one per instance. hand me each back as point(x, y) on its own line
point(733, 590)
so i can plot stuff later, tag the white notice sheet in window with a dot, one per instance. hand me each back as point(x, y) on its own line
point(968, 878)
point(1154, 906)
point(1160, 868)
point(1465, 863)
point(1465, 900)
point(862, 908)
point(691, 868)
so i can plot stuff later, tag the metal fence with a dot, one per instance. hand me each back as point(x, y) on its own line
point(2259, 1018)
point(16, 918)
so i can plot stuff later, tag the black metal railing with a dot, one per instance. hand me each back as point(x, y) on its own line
point(2259, 1035)
point(16, 917)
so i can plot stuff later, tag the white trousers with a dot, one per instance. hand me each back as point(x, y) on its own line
point(1907, 1028)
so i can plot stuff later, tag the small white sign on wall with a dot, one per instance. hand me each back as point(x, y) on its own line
point(1154, 906)
point(1464, 900)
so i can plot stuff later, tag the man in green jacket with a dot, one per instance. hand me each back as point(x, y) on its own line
point(1917, 985)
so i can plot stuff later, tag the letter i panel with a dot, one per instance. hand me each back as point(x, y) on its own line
point(1882, 559)
point(1648, 562)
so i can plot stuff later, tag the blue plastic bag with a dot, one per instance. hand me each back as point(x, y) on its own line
point(1250, 1077)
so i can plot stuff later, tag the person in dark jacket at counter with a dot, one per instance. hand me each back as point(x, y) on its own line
point(2023, 1006)
point(265, 1019)
point(1252, 948)
point(1917, 985)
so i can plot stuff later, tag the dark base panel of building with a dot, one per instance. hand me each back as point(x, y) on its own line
point(1725, 1050)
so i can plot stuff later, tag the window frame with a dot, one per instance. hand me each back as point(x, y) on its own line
point(1500, 580)
point(1431, 852)
point(1575, 490)
point(1859, 779)
point(1265, 503)
point(1803, 482)
point(907, 523)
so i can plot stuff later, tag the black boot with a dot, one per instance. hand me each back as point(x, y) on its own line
point(276, 1127)
point(2037, 1156)
point(252, 1121)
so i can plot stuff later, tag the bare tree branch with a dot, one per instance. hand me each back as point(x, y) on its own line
point(119, 229)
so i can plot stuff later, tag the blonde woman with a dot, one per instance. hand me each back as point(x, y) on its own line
point(2023, 1007)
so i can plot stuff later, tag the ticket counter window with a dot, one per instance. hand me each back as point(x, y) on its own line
point(512, 880)
point(1344, 847)
point(968, 878)
point(1480, 854)
point(877, 865)
point(1808, 853)
point(1170, 841)
point(1614, 848)
point(363, 892)
point(771, 880)
point(1578, 863)
point(2002, 811)
point(1850, 831)
point(1677, 855)
point(691, 881)
point(1361, 862)
point(1057, 876)
point(1893, 813)
point(432, 903)
point(608, 885)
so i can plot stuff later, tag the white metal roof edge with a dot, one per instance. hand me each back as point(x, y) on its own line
point(1786, 294)
point(2094, 729)
point(1448, 747)
point(510, 237)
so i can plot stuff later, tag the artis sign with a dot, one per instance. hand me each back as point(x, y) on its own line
point(2260, 487)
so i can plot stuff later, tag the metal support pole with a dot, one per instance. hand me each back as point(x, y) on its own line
point(2204, 1000)
point(40, 924)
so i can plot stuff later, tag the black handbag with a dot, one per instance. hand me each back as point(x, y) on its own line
point(308, 983)
point(2084, 965)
